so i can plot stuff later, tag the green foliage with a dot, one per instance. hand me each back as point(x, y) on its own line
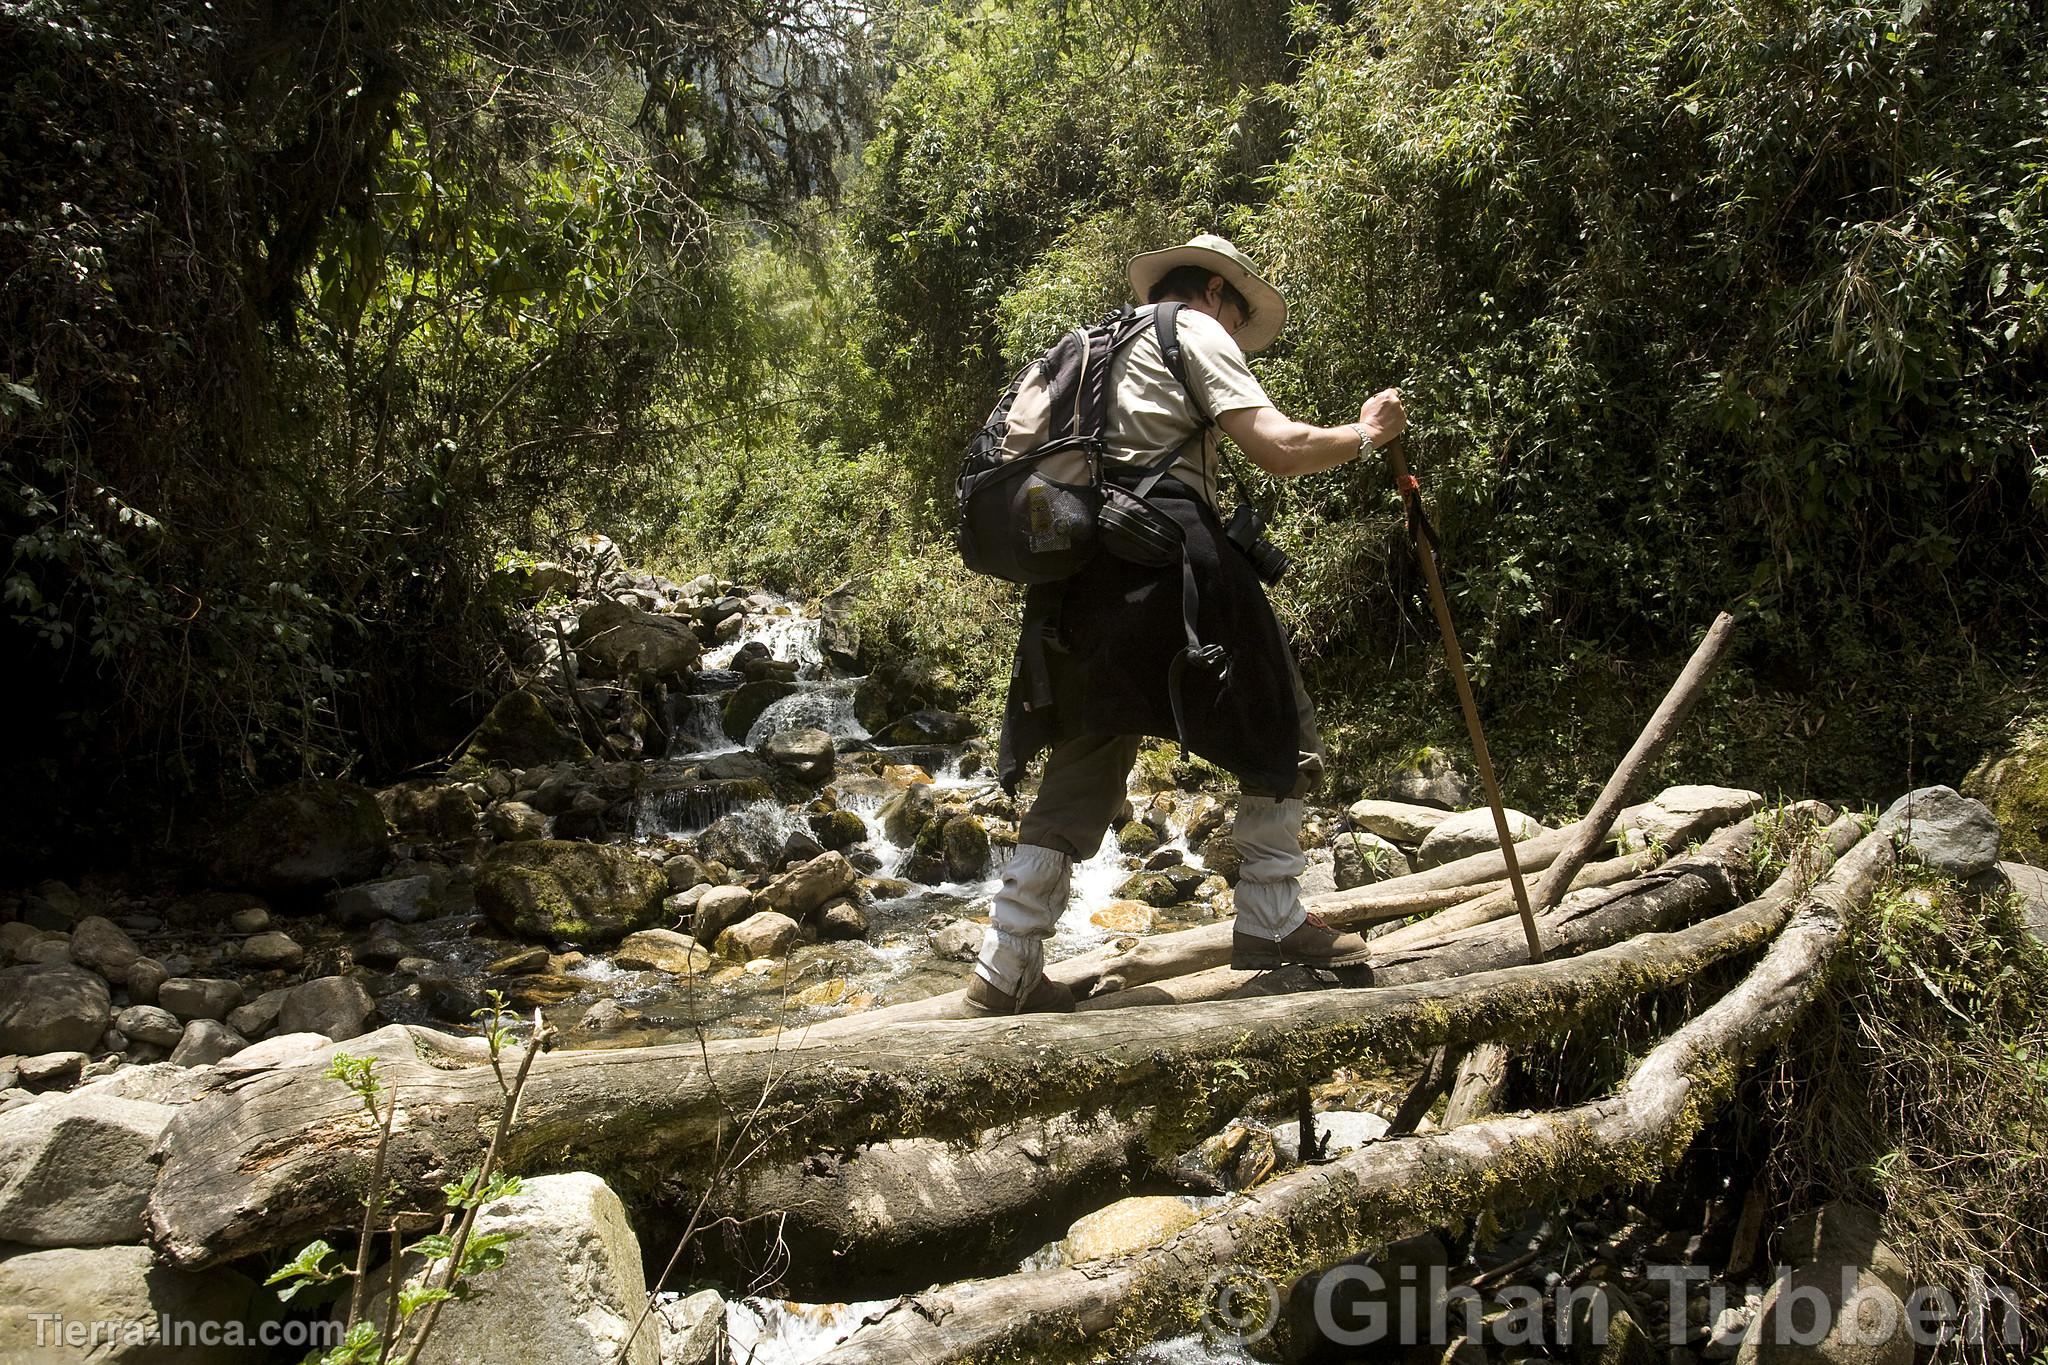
point(316, 1264)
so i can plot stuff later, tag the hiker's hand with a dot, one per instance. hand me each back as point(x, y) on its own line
point(1382, 417)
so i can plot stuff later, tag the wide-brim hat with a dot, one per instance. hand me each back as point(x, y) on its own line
point(1207, 250)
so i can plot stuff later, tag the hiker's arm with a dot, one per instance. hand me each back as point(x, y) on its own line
point(1280, 445)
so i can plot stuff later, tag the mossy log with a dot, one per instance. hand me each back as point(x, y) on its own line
point(1320, 1215)
point(285, 1155)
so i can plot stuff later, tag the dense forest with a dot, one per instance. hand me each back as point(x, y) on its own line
point(312, 321)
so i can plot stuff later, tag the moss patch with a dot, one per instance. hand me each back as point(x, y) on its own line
point(561, 889)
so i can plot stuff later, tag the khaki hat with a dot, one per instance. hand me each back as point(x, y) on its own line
point(1207, 250)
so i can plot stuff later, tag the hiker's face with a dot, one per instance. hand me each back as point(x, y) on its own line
point(1222, 308)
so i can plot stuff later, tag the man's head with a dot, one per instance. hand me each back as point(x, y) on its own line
point(1212, 275)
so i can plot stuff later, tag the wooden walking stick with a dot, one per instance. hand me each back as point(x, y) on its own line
point(1424, 536)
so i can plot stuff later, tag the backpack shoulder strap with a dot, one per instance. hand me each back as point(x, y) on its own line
point(1166, 329)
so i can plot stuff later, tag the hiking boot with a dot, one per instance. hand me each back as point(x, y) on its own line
point(1047, 997)
point(1314, 944)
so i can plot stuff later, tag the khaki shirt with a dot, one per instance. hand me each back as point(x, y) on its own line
point(1150, 413)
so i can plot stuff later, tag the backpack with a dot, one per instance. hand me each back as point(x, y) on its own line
point(1032, 501)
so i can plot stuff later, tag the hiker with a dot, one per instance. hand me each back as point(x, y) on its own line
point(1117, 640)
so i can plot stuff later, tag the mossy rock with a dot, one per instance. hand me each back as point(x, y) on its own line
point(839, 830)
point(310, 834)
point(1137, 838)
point(1155, 889)
point(2015, 785)
point(749, 700)
point(567, 890)
point(1220, 855)
point(966, 848)
point(519, 733)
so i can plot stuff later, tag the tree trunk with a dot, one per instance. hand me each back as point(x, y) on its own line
point(1312, 1218)
point(285, 1155)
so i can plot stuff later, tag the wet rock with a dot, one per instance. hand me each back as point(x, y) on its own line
point(54, 1008)
point(799, 847)
point(311, 834)
point(146, 977)
point(199, 997)
point(1124, 917)
point(1221, 856)
point(1468, 832)
point(842, 921)
point(104, 946)
point(515, 822)
point(1433, 778)
point(122, 1294)
point(1137, 838)
point(808, 753)
point(955, 940)
point(149, 1024)
point(684, 872)
point(1399, 822)
point(765, 934)
point(838, 830)
point(895, 689)
point(965, 842)
point(541, 989)
point(270, 951)
point(1127, 1226)
point(1362, 859)
point(802, 889)
point(693, 1329)
point(904, 815)
point(519, 963)
point(1945, 830)
point(259, 1016)
point(749, 700)
point(1152, 888)
point(663, 950)
point(337, 1006)
point(929, 727)
point(431, 812)
point(206, 1041)
point(613, 639)
point(720, 907)
point(76, 1172)
point(559, 889)
point(568, 1293)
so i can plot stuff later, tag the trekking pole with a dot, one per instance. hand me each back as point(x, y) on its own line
point(1424, 536)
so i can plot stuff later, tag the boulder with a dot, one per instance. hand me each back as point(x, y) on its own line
point(259, 1016)
point(1205, 817)
point(146, 976)
point(720, 907)
point(51, 1070)
point(519, 962)
point(1152, 888)
point(1124, 917)
point(310, 834)
point(613, 638)
point(929, 727)
point(2014, 784)
point(1221, 855)
point(1673, 811)
point(842, 921)
point(1362, 859)
point(52, 1008)
point(149, 1024)
point(270, 951)
point(568, 1293)
point(899, 688)
point(515, 821)
point(120, 1293)
point(76, 1171)
point(663, 950)
point(809, 885)
point(518, 733)
point(337, 1006)
point(807, 752)
point(955, 940)
point(838, 830)
point(562, 889)
point(693, 1329)
point(104, 946)
point(199, 997)
point(403, 899)
point(765, 934)
point(282, 1050)
point(685, 872)
point(1468, 832)
point(1944, 829)
point(965, 847)
point(749, 700)
point(431, 812)
point(1337, 1130)
point(904, 815)
point(250, 919)
point(1433, 778)
point(1401, 822)
point(206, 1041)
point(2029, 886)
point(1127, 1226)
point(1844, 1279)
point(1137, 838)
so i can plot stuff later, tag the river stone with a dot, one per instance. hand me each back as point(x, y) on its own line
point(404, 899)
point(719, 908)
point(1401, 822)
point(76, 1172)
point(58, 1008)
point(146, 976)
point(663, 950)
point(270, 950)
point(929, 727)
point(104, 946)
point(515, 822)
point(122, 1293)
point(1469, 832)
point(14, 936)
point(431, 812)
point(807, 752)
point(250, 919)
point(1221, 855)
point(51, 950)
point(762, 935)
point(610, 636)
point(1945, 829)
point(955, 940)
point(519, 963)
point(337, 1006)
point(747, 701)
point(206, 1041)
point(1127, 1226)
point(199, 997)
point(1674, 814)
point(518, 733)
point(842, 921)
point(808, 886)
point(562, 889)
point(839, 830)
point(966, 848)
point(49, 1070)
point(259, 1016)
point(1337, 1130)
point(904, 815)
point(1124, 917)
point(1433, 778)
point(1153, 888)
point(149, 1024)
point(310, 834)
point(568, 1293)
point(1137, 838)
point(1362, 859)
point(693, 1329)
point(282, 1050)
point(684, 872)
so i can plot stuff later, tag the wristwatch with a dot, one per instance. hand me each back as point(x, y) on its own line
point(1364, 441)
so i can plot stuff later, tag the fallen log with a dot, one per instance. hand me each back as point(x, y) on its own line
point(1481, 1081)
point(284, 1155)
point(1310, 1219)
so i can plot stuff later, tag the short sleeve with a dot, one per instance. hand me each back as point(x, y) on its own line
point(1216, 367)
